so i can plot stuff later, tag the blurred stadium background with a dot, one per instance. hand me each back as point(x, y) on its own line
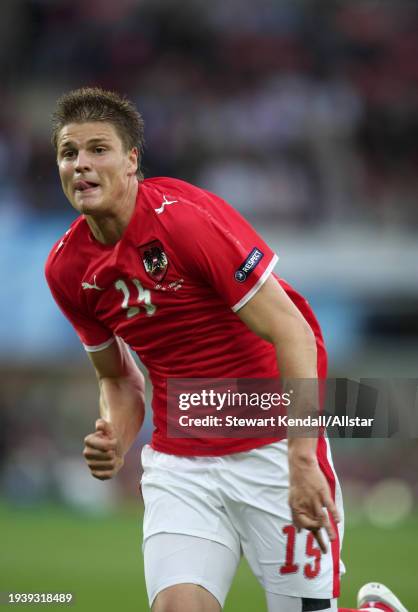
point(304, 115)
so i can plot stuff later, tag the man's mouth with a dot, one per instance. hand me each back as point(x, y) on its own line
point(84, 186)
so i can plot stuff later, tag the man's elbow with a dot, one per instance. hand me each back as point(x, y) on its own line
point(125, 386)
point(296, 330)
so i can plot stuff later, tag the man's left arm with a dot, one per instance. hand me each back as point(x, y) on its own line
point(271, 314)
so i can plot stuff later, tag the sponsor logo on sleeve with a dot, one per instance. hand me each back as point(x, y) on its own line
point(247, 266)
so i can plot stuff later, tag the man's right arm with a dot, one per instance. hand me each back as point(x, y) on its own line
point(122, 409)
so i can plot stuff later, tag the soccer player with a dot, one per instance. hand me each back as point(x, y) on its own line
point(176, 274)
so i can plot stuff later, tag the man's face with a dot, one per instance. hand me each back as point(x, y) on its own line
point(95, 170)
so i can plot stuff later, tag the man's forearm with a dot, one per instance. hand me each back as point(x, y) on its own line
point(297, 362)
point(122, 403)
point(271, 315)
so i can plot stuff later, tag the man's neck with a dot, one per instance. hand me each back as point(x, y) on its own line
point(109, 229)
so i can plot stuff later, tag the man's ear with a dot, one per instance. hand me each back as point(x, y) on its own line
point(133, 161)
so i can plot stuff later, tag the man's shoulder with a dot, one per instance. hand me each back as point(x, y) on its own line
point(179, 203)
point(65, 253)
point(163, 184)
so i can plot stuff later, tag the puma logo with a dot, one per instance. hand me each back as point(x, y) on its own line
point(94, 286)
point(164, 203)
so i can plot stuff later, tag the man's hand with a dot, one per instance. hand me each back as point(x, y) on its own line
point(103, 451)
point(310, 500)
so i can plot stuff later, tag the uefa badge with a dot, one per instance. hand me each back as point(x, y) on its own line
point(248, 265)
point(154, 259)
point(240, 276)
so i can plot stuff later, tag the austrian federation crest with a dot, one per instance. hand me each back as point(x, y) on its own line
point(154, 259)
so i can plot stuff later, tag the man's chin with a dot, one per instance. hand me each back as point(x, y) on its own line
point(89, 205)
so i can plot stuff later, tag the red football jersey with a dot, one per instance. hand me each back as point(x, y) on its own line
point(170, 288)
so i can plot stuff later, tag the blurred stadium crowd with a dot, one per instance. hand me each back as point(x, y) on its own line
point(302, 113)
point(306, 108)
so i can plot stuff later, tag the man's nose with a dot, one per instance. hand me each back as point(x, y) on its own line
point(82, 161)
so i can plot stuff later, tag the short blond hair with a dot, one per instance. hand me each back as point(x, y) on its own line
point(96, 104)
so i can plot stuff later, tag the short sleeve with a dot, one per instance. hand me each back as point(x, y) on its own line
point(93, 335)
point(227, 251)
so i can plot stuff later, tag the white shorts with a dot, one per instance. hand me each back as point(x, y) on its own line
point(241, 502)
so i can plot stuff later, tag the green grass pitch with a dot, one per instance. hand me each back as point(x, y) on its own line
point(99, 560)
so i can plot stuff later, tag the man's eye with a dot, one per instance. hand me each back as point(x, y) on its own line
point(68, 154)
point(100, 149)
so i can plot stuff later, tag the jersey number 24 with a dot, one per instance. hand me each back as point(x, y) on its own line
point(143, 299)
